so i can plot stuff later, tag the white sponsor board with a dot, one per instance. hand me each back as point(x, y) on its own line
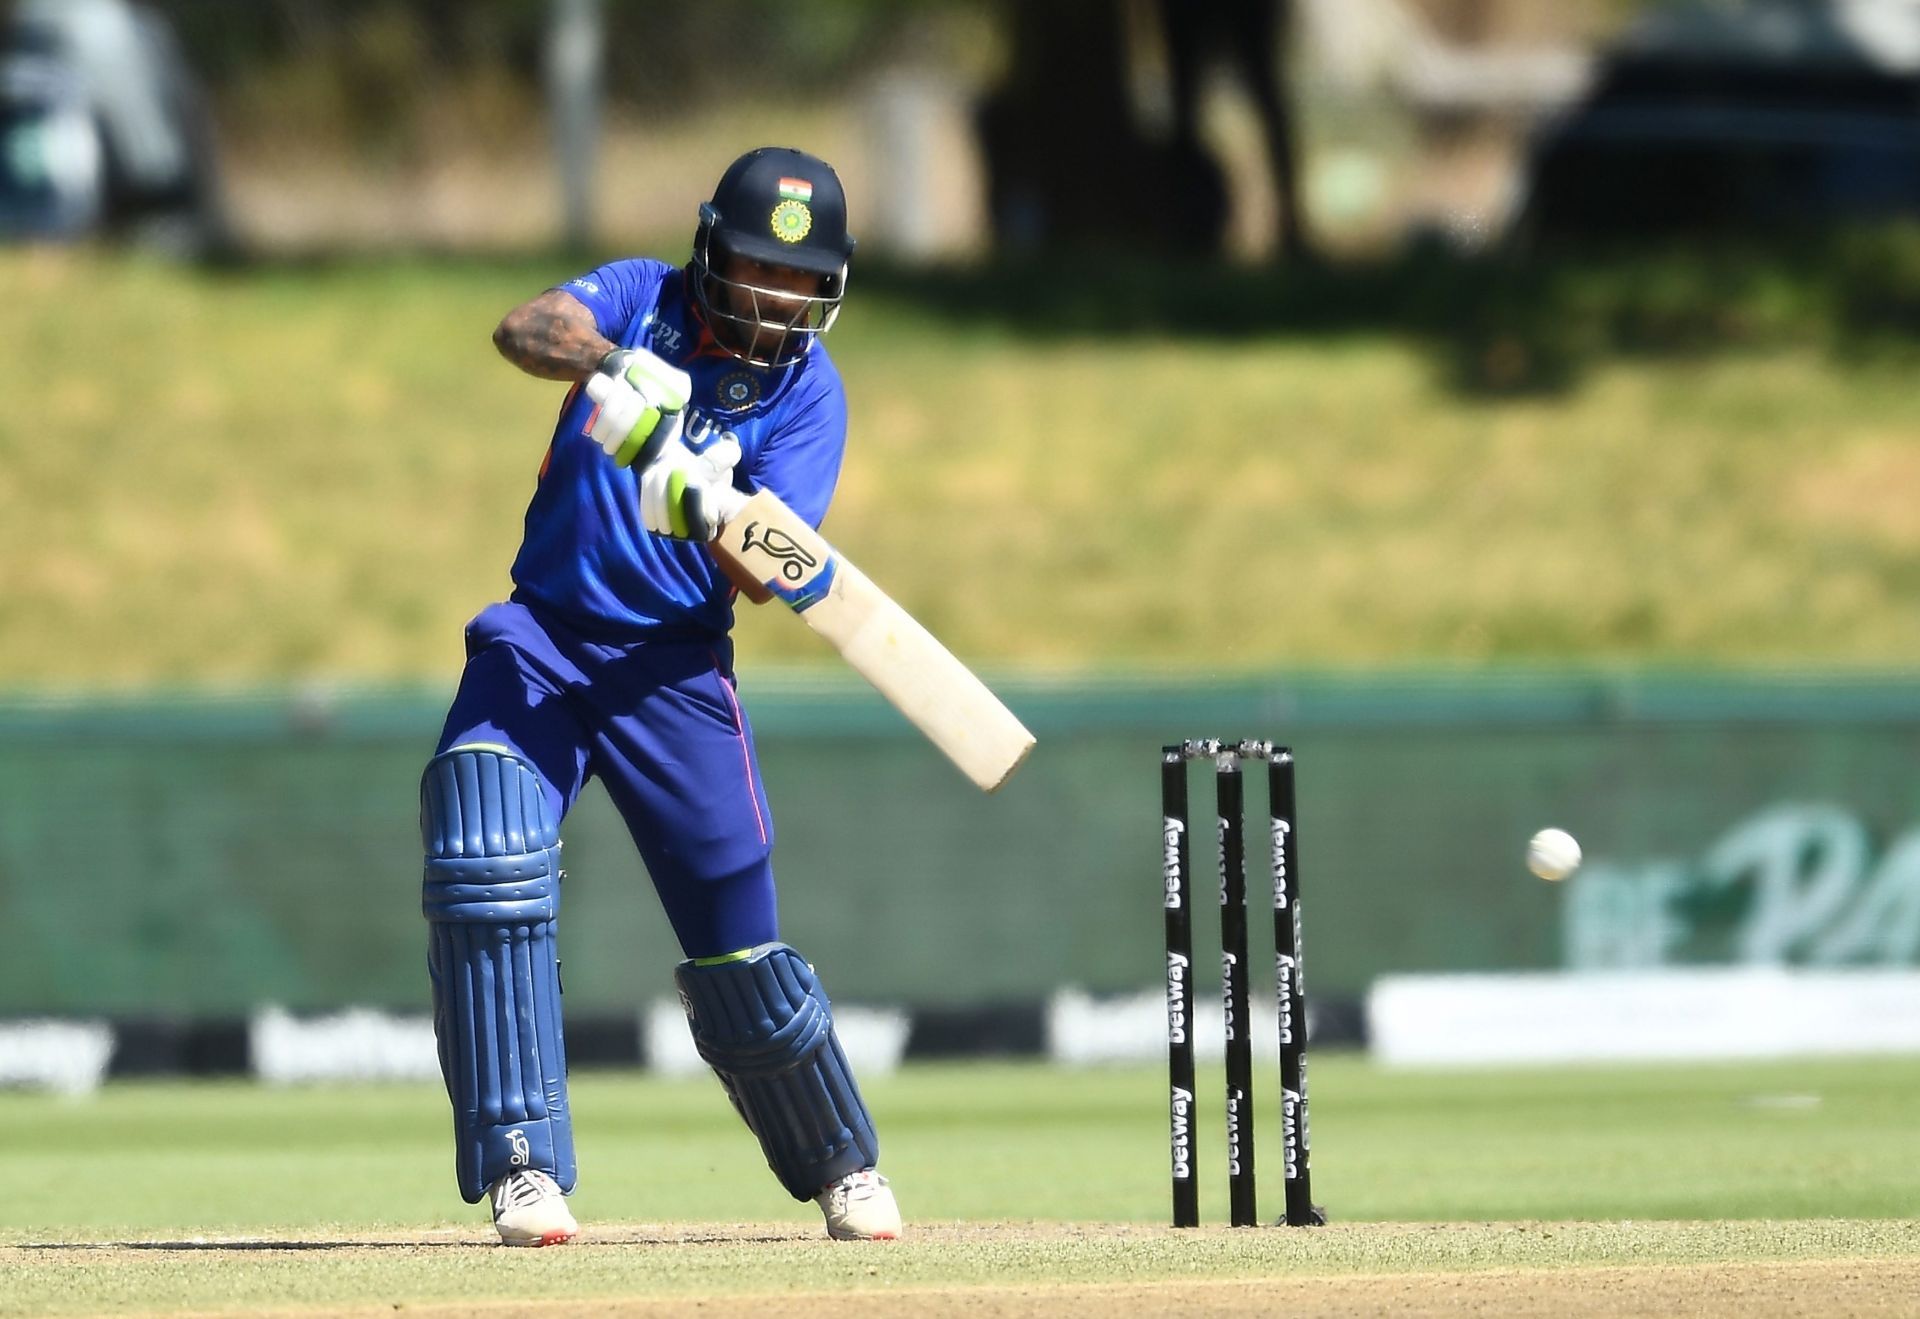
point(67, 1057)
point(361, 1044)
point(1657, 1015)
point(872, 1038)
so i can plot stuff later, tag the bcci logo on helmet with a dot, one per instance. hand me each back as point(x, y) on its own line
point(792, 221)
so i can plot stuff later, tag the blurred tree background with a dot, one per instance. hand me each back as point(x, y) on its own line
point(1090, 342)
point(1040, 124)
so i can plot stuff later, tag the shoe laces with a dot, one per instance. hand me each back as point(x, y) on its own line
point(856, 1186)
point(520, 1189)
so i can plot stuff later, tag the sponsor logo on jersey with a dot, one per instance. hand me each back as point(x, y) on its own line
point(665, 337)
point(700, 432)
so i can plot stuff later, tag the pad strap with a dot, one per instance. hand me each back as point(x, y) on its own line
point(491, 894)
point(764, 1024)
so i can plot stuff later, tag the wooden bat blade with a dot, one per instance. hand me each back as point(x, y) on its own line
point(768, 542)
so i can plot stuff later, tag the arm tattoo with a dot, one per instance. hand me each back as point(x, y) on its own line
point(552, 337)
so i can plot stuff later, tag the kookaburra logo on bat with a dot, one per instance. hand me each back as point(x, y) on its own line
point(794, 559)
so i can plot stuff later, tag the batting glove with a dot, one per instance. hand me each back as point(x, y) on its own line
point(690, 495)
point(641, 400)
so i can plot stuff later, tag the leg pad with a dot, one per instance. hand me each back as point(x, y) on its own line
point(764, 1024)
point(491, 894)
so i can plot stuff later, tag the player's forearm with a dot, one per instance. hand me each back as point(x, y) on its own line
point(552, 337)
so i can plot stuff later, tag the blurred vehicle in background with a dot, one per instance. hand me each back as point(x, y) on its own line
point(102, 128)
point(1766, 115)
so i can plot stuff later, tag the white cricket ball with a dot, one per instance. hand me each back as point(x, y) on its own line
point(1553, 854)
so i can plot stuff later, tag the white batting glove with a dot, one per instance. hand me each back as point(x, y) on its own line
point(690, 495)
point(642, 399)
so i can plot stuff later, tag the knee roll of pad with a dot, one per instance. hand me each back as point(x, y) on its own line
point(491, 894)
point(764, 1024)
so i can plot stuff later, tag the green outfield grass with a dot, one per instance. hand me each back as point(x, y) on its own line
point(282, 473)
point(1013, 1174)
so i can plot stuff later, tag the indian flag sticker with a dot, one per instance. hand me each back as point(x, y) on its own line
point(796, 190)
point(791, 221)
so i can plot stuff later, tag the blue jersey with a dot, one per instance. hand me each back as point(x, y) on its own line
point(586, 555)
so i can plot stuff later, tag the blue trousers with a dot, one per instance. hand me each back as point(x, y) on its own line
point(657, 722)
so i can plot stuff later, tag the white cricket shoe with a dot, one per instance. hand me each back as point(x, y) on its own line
point(529, 1209)
point(859, 1207)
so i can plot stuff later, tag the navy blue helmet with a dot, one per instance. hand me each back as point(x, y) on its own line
point(778, 207)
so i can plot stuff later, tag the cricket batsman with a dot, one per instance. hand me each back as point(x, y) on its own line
point(691, 388)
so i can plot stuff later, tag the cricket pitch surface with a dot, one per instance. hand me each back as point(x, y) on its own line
point(1753, 1269)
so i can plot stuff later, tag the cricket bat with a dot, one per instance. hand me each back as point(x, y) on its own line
point(766, 542)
